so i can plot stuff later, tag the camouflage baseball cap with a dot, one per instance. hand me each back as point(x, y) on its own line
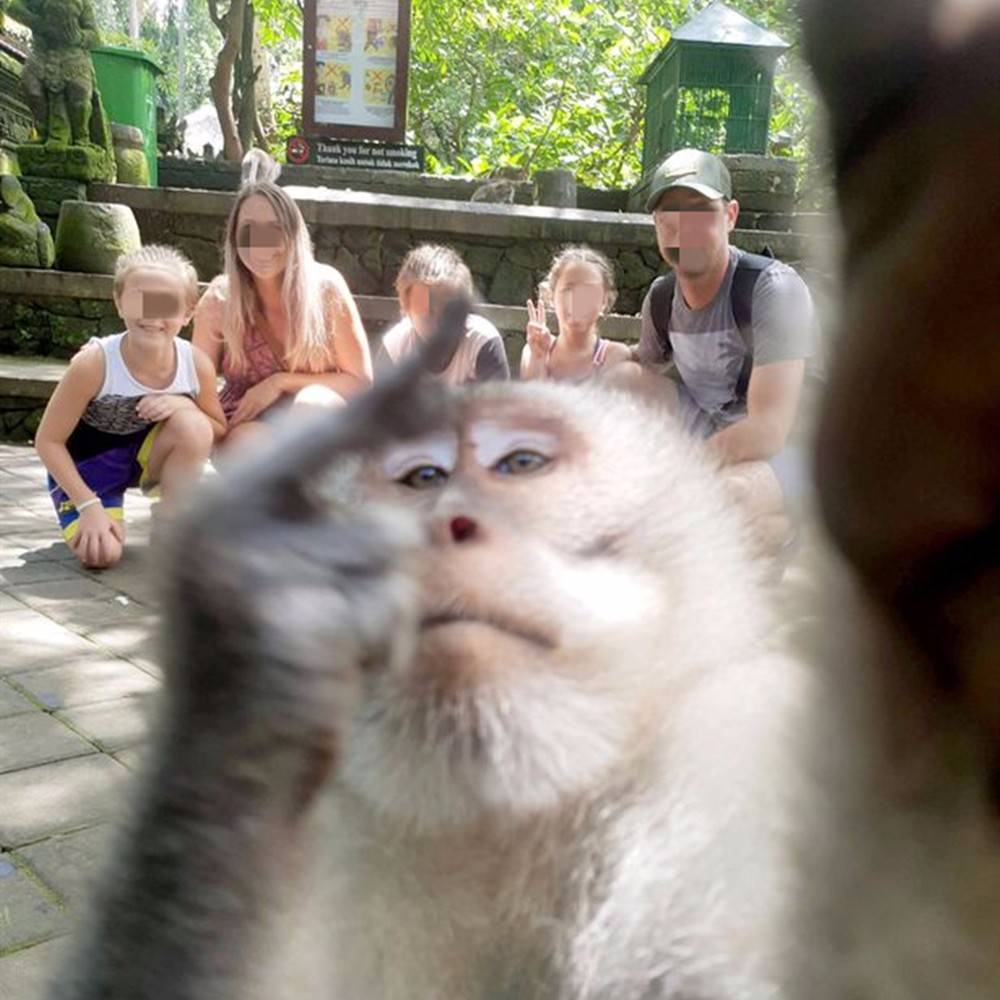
point(690, 168)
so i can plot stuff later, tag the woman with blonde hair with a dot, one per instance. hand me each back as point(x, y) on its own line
point(279, 326)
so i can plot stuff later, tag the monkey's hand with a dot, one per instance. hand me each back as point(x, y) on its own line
point(272, 617)
point(276, 604)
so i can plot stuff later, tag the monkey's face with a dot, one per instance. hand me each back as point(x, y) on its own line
point(559, 552)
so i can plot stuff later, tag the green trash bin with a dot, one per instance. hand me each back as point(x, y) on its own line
point(127, 81)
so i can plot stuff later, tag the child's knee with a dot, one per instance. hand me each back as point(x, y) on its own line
point(318, 395)
point(190, 429)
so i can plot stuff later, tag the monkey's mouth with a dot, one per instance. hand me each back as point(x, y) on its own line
point(519, 629)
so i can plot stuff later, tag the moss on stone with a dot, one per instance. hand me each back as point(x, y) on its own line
point(91, 236)
point(132, 166)
point(81, 163)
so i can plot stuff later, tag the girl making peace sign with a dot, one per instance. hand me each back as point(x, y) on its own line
point(580, 286)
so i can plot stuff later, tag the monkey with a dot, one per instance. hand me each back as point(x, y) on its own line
point(362, 790)
point(414, 726)
point(907, 745)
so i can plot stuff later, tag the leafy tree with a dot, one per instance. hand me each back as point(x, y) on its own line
point(555, 82)
point(527, 84)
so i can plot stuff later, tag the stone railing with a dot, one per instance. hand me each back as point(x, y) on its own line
point(507, 247)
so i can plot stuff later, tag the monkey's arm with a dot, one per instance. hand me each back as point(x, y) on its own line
point(906, 448)
point(274, 606)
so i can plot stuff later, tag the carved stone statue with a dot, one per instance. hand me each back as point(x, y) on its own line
point(59, 87)
point(25, 241)
point(58, 78)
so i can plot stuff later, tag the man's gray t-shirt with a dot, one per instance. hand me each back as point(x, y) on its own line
point(709, 351)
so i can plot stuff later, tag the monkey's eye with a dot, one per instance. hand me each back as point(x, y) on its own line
point(424, 477)
point(521, 461)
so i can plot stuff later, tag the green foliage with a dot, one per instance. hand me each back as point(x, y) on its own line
point(554, 83)
point(527, 84)
point(160, 39)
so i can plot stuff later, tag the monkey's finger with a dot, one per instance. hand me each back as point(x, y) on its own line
point(402, 405)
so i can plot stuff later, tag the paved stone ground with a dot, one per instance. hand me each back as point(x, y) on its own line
point(77, 672)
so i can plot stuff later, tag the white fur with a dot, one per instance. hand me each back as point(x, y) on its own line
point(611, 827)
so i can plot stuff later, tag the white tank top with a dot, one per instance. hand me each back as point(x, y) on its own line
point(113, 409)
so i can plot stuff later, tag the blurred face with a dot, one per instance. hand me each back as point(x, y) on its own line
point(152, 304)
point(423, 305)
point(692, 231)
point(579, 296)
point(261, 242)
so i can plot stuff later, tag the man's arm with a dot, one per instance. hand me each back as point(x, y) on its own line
point(772, 402)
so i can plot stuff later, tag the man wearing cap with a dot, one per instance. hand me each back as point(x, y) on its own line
point(739, 329)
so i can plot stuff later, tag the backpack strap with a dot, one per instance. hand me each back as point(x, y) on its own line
point(661, 304)
point(748, 270)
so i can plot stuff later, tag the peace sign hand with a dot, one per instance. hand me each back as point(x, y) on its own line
point(540, 339)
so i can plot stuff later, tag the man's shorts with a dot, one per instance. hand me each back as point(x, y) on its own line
point(109, 471)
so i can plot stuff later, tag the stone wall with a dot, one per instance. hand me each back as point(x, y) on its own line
point(507, 247)
point(19, 417)
point(52, 313)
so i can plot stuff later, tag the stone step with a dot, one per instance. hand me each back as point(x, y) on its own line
point(377, 311)
point(29, 378)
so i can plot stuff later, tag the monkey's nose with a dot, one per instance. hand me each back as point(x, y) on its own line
point(462, 528)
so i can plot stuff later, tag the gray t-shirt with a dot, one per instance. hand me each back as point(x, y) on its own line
point(708, 350)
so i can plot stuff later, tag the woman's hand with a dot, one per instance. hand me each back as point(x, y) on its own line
point(99, 538)
point(159, 406)
point(258, 398)
point(539, 337)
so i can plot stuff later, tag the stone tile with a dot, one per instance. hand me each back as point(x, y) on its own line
point(84, 682)
point(13, 702)
point(27, 974)
point(68, 863)
point(12, 577)
point(18, 518)
point(84, 616)
point(42, 546)
point(134, 758)
point(27, 914)
point(50, 594)
point(8, 602)
point(37, 738)
point(56, 798)
point(132, 641)
point(115, 725)
point(29, 639)
point(22, 484)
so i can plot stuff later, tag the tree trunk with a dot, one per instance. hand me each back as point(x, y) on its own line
point(262, 88)
point(244, 104)
point(230, 25)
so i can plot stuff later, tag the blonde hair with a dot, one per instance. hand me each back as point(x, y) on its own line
point(430, 264)
point(580, 255)
point(309, 346)
point(157, 255)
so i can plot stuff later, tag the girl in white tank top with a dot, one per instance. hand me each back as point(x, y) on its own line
point(138, 408)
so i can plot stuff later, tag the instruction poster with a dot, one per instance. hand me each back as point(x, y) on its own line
point(355, 49)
